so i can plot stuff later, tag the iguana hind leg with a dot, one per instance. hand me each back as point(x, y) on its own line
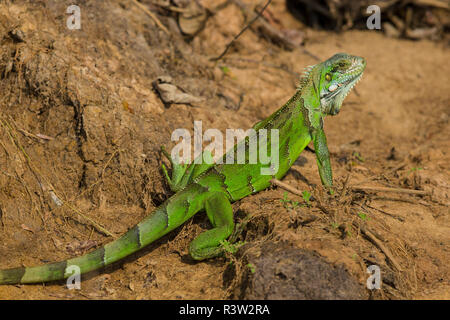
point(208, 244)
point(183, 173)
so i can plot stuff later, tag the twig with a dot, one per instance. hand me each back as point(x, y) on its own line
point(286, 187)
point(344, 186)
point(386, 213)
point(107, 163)
point(168, 6)
point(151, 15)
point(241, 32)
point(275, 35)
point(398, 167)
point(384, 189)
point(402, 200)
point(380, 245)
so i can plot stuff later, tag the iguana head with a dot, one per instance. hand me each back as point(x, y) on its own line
point(334, 78)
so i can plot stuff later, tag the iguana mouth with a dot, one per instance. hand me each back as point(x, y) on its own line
point(347, 85)
point(350, 83)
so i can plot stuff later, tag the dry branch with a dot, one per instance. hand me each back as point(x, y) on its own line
point(395, 190)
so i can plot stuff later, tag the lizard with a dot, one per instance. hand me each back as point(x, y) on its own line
point(213, 187)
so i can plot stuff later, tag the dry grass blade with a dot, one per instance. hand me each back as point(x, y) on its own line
point(151, 15)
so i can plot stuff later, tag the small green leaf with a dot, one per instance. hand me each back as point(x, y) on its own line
point(358, 156)
point(251, 267)
point(363, 216)
point(225, 69)
point(306, 196)
point(288, 203)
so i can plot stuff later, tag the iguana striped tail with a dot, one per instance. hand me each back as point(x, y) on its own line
point(148, 230)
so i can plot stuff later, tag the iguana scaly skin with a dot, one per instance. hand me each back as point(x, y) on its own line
point(212, 188)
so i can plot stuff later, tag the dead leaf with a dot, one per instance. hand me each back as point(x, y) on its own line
point(170, 93)
point(27, 228)
point(78, 247)
point(127, 107)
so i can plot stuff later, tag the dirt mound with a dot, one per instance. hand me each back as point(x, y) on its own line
point(281, 272)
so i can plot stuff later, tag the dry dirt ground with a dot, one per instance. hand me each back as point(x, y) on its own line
point(81, 125)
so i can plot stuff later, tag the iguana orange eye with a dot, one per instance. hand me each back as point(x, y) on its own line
point(328, 77)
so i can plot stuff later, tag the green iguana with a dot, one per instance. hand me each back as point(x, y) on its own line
point(212, 187)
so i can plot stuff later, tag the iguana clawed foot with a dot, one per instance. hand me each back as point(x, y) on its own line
point(178, 180)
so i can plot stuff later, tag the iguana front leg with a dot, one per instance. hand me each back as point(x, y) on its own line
point(323, 157)
point(208, 244)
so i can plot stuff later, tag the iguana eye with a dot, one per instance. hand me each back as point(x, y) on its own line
point(328, 77)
